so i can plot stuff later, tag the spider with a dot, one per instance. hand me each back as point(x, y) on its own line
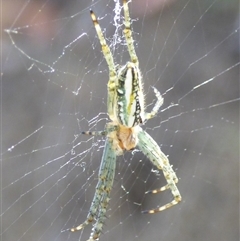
point(126, 109)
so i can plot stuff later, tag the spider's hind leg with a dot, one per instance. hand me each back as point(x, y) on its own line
point(150, 148)
point(154, 191)
point(172, 180)
point(98, 208)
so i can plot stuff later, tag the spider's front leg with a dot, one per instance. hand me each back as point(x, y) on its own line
point(150, 148)
point(128, 34)
point(112, 68)
point(102, 195)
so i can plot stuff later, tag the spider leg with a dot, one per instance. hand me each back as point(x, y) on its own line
point(101, 198)
point(109, 128)
point(112, 69)
point(156, 106)
point(98, 226)
point(94, 133)
point(150, 148)
point(160, 189)
point(128, 34)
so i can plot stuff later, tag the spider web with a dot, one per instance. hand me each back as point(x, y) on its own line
point(53, 86)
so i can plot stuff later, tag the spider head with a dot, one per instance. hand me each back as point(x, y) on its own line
point(129, 98)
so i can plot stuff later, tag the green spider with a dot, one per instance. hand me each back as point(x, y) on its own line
point(126, 109)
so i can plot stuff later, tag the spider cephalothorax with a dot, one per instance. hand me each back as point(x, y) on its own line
point(127, 112)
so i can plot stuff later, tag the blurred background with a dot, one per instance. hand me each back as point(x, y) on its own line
point(53, 86)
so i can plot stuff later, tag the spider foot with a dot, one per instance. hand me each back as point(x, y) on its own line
point(83, 225)
point(94, 237)
point(176, 200)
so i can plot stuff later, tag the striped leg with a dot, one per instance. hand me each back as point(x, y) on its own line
point(101, 198)
point(112, 69)
point(150, 148)
point(128, 34)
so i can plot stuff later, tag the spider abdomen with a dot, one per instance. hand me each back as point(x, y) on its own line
point(129, 96)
